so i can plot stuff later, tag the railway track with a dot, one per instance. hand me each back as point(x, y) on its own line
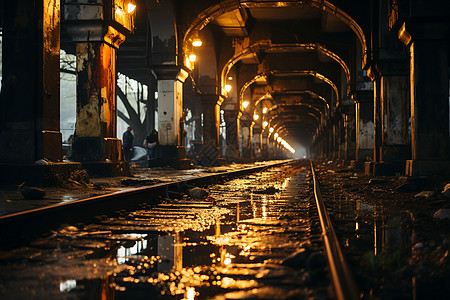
point(258, 236)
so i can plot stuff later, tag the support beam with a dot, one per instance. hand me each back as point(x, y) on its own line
point(429, 80)
point(29, 111)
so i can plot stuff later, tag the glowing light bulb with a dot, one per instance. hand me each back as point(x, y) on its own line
point(197, 42)
point(276, 135)
point(265, 123)
point(130, 8)
point(227, 88)
point(245, 104)
point(255, 117)
point(192, 57)
point(271, 129)
point(265, 110)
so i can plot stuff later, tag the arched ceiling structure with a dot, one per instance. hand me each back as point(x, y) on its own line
point(303, 54)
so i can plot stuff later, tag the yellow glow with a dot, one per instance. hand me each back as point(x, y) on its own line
point(271, 130)
point(197, 42)
point(192, 57)
point(130, 8)
point(255, 117)
point(119, 11)
point(265, 110)
point(227, 261)
point(275, 135)
point(278, 139)
point(227, 88)
point(230, 77)
point(190, 293)
point(265, 123)
point(245, 104)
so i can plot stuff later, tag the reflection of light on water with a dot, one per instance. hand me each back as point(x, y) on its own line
point(264, 207)
point(227, 261)
point(68, 285)
point(123, 253)
point(285, 183)
point(190, 294)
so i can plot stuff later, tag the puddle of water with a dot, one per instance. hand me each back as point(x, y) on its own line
point(233, 250)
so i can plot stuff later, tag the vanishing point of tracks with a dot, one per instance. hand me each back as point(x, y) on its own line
point(260, 236)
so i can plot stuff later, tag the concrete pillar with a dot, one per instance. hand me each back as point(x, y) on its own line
point(364, 128)
point(251, 142)
point(29, 106)
point(350, 137)
point(429, 81)
point(95, 137)
point(170, 117)
point(209, 155)
point(232, 119)
point(395, 144)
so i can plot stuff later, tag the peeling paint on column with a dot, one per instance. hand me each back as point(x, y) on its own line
point(96, 108)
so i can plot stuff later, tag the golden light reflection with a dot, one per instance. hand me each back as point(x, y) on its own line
point(217, 227)
point(192, 57)
point(245, 104)
point(265, 109)
point(227, 88)
point(190, 293)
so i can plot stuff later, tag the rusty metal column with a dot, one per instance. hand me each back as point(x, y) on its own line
point(429, 62)
point(29, 106)
point(232, 119)
point(209, 155)
point(95, 138)
point(98, 29)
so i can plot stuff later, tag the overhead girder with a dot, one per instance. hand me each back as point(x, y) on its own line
point(291, 81)
point(296, 48)
point(308, 97)
point(329, 11)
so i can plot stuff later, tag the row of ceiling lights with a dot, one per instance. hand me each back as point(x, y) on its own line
point(196, 42)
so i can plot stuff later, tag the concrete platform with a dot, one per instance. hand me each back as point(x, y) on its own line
point(12, 201)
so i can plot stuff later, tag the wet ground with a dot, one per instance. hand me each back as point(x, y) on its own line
point(256, 237)
point(396, 246)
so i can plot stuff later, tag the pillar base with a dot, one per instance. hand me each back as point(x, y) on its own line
point(427, 168)
point(388, 168)
point(51, 174)
point(96, 149)
point(357, 165)
point(107, 168)
point(171, 156)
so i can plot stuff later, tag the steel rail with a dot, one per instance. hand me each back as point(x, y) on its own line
point(21, 227)
point(343, 282)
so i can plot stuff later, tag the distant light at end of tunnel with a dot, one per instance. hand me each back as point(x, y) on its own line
point(227, 88)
